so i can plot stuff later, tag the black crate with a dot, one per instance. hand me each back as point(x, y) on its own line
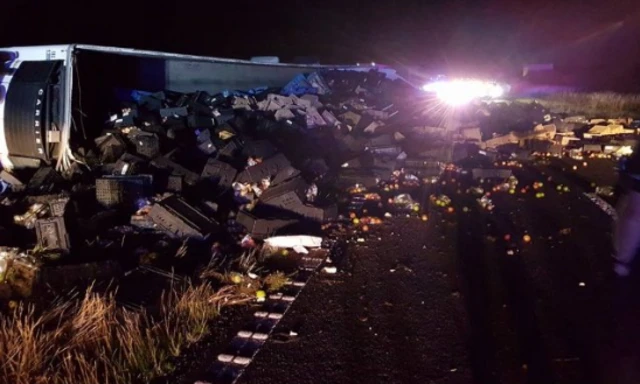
point(195, 121)
point(124, 121)
point(43, 181)
point(177, 218)
point(122, 190)
point(201, 97)
point(207, 147)
point(52, 234)
point(174, 183)
point(215, 100)
point(204, 142)
point(128, 164)
point(172, 168)
point(319, 213)
point(267, 125)
point(391, 150)
point(147, 144)
point(260, 228)
point(203, 110)
point(223, 115)
point(182, 100)
point(285, 174)
point(421, 163)
point(352, 143)
point(288, 195)
point(491, 173)
point(154, 128)
point(267, 168)
point(315, 166)
point(381, 141)
point(259, 148)
point(219, 172)
point(110, 147)
point(174, 112)
point(58, 207)
point(230, 150)
point(153, 101)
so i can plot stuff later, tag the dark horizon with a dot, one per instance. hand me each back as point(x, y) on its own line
point(476, 37)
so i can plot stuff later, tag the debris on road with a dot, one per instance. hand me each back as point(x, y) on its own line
point(330, 270)
point(606, 191)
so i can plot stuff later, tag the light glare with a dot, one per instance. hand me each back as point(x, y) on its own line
point(461, 91)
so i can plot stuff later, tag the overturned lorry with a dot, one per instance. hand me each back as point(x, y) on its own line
point(54, 96)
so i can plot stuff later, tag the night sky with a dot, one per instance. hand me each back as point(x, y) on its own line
point(493, 36)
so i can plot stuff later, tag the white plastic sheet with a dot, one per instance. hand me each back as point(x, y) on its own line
point(294, 241)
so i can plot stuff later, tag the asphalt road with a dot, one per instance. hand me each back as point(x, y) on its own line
point(395, 316)
point(444, 301)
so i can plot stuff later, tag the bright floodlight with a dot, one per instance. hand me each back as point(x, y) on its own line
point(460, 92)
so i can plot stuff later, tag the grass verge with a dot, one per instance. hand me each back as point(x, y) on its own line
point(92, 340)
point(598, 104)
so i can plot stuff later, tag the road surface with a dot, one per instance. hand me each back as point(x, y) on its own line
point(444, 302)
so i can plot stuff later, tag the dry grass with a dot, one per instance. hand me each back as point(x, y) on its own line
point(600, 104)
point(247, 260)
point(275, 281)
point(92, 340)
